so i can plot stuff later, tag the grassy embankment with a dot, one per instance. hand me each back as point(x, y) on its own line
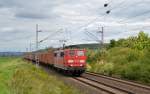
point(20, 77)
point(125, 62)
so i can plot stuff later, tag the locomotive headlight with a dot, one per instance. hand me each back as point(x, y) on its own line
point(82, 61)
point(70, 61)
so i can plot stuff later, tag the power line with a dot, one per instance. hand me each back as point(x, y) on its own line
point(133, 17)
point(121, 3)
point(51, 35)
point(127, 6)
point(91, 36)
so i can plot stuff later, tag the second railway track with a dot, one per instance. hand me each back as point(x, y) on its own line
point(113, 85)
point(102, 87)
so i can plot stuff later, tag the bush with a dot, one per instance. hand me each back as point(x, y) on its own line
point(133, 55)
point(128, 63)
point(131, 71)
point(106, 68)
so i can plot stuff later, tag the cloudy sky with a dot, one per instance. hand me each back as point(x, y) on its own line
point(77, 21)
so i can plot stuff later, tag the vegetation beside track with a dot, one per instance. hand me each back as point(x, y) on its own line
point(20, 77)
point(126, 58)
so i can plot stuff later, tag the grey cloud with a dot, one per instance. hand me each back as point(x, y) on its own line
point(22, 16)
point(15, 34)
point(31, 15)
point(33, 9)
point(11, 3)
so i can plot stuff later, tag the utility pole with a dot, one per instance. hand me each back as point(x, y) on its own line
point(102, 43)
point(102, 36)
point(37, 37)
point(37, 44)
point(36, 56)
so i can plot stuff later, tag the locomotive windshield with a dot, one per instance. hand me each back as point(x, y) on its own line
point(76, 53)
point(80, 53)
point(72, 53)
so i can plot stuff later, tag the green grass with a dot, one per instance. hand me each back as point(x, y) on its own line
point(20, 77)
point(7, 68)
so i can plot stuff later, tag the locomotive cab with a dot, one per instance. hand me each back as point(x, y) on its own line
point(75, 61)
point(76, 58)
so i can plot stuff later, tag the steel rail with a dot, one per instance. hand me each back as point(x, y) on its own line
point(119, 80)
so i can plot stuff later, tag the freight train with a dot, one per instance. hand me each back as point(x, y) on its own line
point(70, 61)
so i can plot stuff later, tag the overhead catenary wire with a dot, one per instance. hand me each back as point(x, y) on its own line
point(51, 35)
point(122, 20)
point(91, 35)
point(120, 5)
point(116, 6)
point(123, 7)
point(134, 17)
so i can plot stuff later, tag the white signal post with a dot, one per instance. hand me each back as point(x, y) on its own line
point(36, 56)
point(102, 36)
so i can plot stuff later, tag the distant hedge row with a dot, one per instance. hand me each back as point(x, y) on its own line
point(140, 42)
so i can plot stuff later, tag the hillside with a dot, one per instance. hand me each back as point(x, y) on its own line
point(11, 53)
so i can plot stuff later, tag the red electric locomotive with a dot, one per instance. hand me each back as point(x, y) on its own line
point(70, 60)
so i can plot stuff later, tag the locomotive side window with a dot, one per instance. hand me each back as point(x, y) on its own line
point(62, 54)
point(80, 53)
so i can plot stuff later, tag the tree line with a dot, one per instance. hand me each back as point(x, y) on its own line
point(140, 42)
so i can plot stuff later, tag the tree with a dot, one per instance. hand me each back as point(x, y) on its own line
point(112, 43)
point(142, 41)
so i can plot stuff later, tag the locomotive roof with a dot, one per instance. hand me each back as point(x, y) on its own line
point(61, 50)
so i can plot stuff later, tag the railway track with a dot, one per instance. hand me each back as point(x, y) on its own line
point(102, 87)
point(112, 85)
